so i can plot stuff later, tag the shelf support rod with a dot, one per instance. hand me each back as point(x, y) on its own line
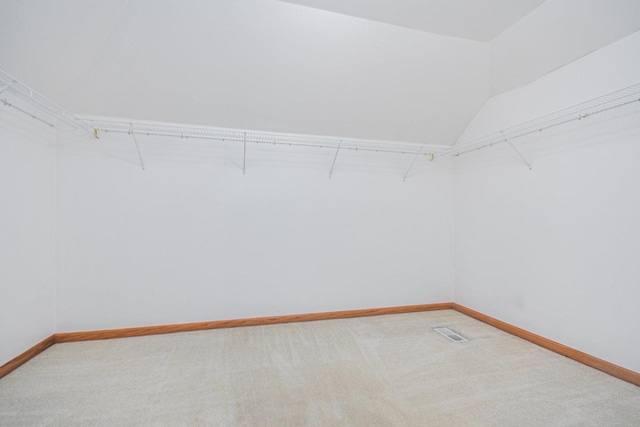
point(334, 160)
point(516, 150)
point(244, 156)
point(410, 167)
point(137, 147)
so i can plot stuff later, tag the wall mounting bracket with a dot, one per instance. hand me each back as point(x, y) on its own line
point(410, 167)
point(334, 159)
point(516, 150)
point(135, 140)
point(244, 156)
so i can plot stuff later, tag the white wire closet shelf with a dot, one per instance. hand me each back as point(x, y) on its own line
point(48, 112)
point(260, 137)
point(581, 111)
point(35, 105)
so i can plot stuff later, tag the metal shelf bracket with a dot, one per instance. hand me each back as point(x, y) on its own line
point(410, 167)
point(135, 140)
point(516, 150)
point(244, 156)
point(334, 159)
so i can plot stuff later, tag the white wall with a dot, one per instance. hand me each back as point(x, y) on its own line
point(555, 250)
point(191, 238)
point(26, 233)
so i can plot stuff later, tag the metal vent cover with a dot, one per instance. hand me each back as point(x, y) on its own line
point(450, 334)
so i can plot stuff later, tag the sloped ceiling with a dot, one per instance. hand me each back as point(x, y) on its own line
point(471, 19)
point(556, 34)
point(267, 65)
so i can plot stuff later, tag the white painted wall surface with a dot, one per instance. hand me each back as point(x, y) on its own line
point(26, 233)
point(555, 250)
point(191, 238)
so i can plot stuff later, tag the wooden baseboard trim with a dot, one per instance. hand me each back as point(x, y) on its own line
point(584, 358)
point(26, 356)
point(255, 321)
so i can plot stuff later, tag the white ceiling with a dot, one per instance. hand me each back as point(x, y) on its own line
point(471, 19)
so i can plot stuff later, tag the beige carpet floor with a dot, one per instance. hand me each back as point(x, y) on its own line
point(373, 371)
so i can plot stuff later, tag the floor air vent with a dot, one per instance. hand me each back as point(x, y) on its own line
point(450, 334)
